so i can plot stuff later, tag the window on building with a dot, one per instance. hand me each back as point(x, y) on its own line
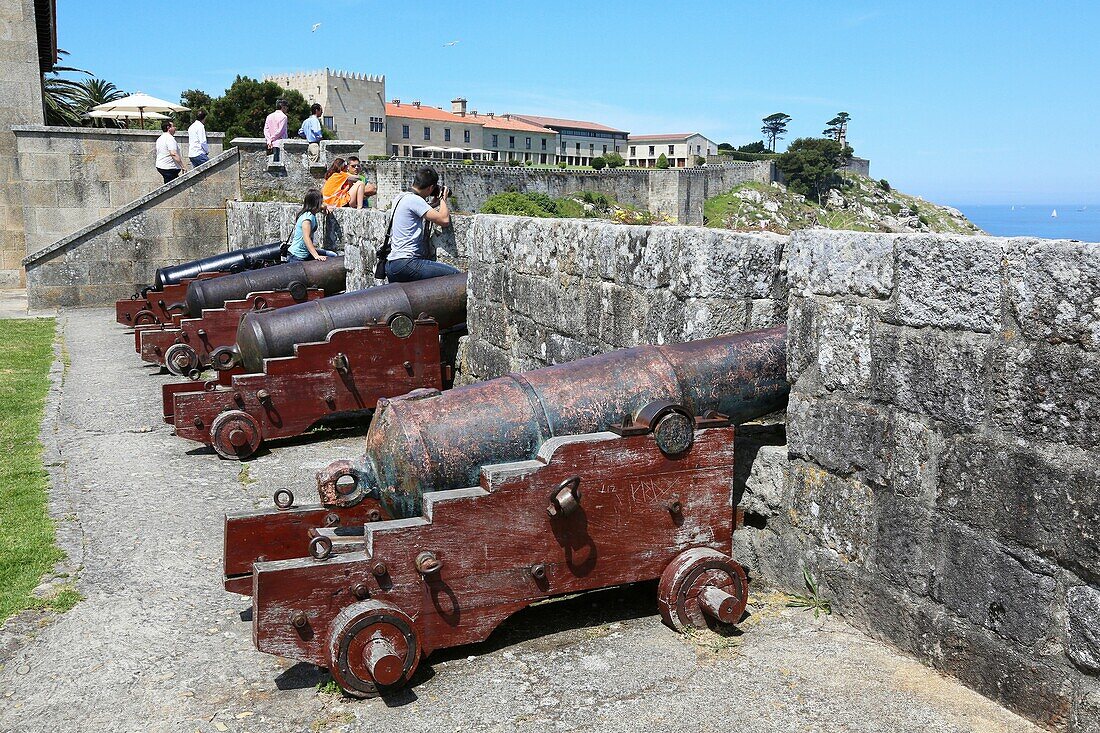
point(427, 133)
point(404, 132)
point(591, 148)
point(651, 150)
point(446, 134)
point(633, 149)
point(495, 143)
point(696, 149)
point(578, 151)
point(394, 150)
point(376, 124)
point(327, 122)
point(528, 145)
point(465, 136)
point(512, 141)
point(406, 151)
point(671, 149)
point(605, 150)
point(544, 147)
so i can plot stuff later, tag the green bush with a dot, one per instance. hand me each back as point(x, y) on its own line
point(599, 163)
point(528, 162)
point(700, 160)
point(378, 157)
point(662, 161)
point(468, 161)
point(884, 184)
point(594, 198)
point(895, 208)
point(513, 161)
point(614, 160)
point(913, 210)
point(810, 165)
point(518, 204)
point(563, 165)
point(747, 157)
point(756, 147)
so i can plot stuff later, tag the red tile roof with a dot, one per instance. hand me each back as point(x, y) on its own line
point(560, 122)
point(681, 136)
point(424, 112)
point(505, 123)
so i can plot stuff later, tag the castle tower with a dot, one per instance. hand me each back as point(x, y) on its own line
point(354, 103)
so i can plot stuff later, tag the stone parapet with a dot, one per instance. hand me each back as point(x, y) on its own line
point(111, 258)
point(943, 428)
point(73, 176)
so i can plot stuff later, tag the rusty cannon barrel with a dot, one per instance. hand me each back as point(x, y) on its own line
point(236, 261)
point(264, 335)
point(329, 275)
point(430, 441)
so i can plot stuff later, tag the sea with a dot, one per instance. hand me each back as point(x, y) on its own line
point(1076, 221)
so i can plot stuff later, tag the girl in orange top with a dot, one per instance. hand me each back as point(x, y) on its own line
point(343, 187)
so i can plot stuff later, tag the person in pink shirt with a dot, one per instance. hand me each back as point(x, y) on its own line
point(275, 129)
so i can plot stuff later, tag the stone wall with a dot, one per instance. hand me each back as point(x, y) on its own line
point(74, 176)
point(680, 193)
point(547, 291)
point(112, 257)
point(944, 484)
point(356, 234)
point(20, 103)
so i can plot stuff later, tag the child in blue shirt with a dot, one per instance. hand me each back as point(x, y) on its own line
point(305, 228)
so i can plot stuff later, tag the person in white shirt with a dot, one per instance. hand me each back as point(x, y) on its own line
point(169, 163)
point(198, 150)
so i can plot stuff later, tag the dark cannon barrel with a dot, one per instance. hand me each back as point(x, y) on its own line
point(441, 442)
point(330, 275)
point(235, 261)
point(264, 335)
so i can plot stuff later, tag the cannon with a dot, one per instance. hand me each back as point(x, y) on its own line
point(299, 365)
point(158, 302)
point(471, 504)
point(215, 308)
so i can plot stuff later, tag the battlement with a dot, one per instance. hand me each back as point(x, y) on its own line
point(327, 73)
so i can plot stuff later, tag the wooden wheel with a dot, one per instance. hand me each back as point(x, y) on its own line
point(181, 360)
point(235, 434)
point(373, 648)
point(700, 587)
point(145, 318)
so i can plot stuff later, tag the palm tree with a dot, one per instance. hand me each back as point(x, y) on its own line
point(59, 95)
point(94, 92)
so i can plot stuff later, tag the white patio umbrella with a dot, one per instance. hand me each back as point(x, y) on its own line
point(139, 103)
point(122, 115)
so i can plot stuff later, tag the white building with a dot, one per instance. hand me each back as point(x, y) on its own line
point(354, 103)
point(681, 150)
point(579, 141)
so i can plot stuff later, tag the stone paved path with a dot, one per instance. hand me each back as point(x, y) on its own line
point(157, 645)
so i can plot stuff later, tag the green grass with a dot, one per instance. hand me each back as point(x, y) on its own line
point(27, 549)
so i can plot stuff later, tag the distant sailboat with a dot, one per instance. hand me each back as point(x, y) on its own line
point(1013, 208)
point(1054, 213)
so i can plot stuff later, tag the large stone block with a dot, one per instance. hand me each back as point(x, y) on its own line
point(842, 436)
point(83, 193)
point(40, 297)
point(942, 375)
point(707, 317)
point(802, 344)
point(1041, 498)
point(949, 282)
point(204, 225)
point(1037, 686)
point(1054, 291)
point(43, 166)
point(837, 512)
point(1048, 392)
point(841, 263)
point(979, 579)
point(844, 339)
point(1083, 627)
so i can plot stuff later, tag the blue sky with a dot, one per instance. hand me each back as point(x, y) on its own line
point(960, 102)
